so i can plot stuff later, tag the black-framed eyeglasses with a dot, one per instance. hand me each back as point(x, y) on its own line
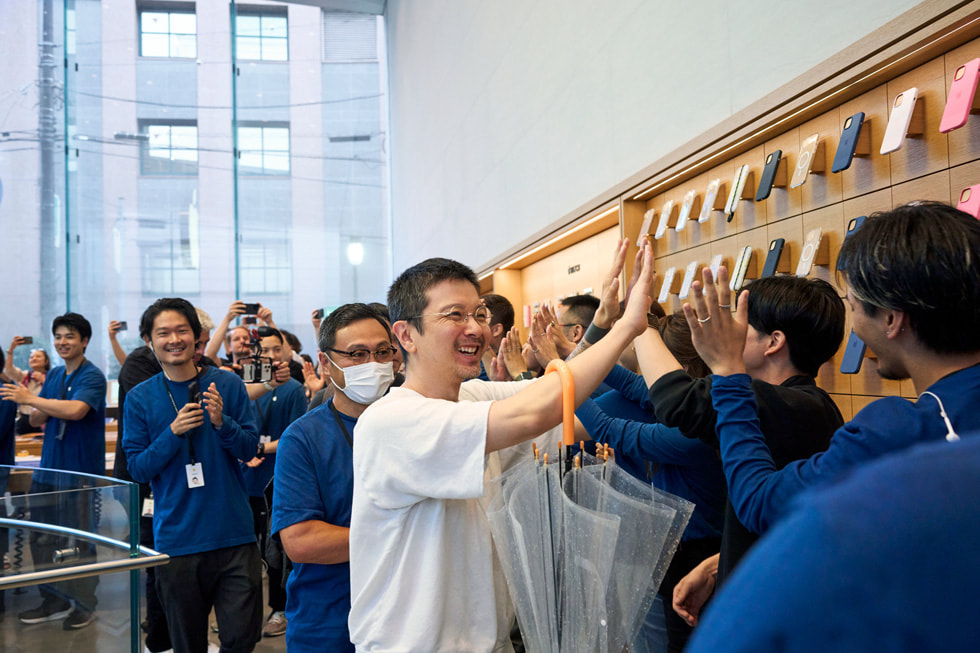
point(457, 315)
point(382, 354)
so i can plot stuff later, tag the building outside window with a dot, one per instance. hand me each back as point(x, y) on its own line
point(171, 34)
point(168, 148)
point(261, 37)
point(263, 149)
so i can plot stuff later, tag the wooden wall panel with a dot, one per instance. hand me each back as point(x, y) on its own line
point(930, 166)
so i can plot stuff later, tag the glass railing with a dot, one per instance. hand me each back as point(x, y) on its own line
point(64, 537)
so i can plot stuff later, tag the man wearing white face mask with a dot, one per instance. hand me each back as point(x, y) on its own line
point(311, 505)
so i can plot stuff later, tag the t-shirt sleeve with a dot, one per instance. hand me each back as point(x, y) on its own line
point(295, 497)
point(413, 448)
point(91, 388)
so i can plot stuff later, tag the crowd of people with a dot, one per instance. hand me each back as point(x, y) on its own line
point(354, 478)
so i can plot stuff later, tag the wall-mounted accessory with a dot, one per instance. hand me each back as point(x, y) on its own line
point(855, 140)
point(774, 259)
point(713, 199)
point(907, 119)
point(645, 227)
point(773, 175)
point(962, 100)
point(689, 207)
point(668, 218)
point(740, 184)
point(812, 159)
point(716, 262)
point(816, 251)
point(671, 285)
point(690, 274)
point(970, 200)
point(855, 349)
point(744, 267)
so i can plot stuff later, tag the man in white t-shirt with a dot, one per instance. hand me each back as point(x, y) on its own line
point(420, 548)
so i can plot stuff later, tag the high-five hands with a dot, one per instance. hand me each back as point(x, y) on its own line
point(717, 333)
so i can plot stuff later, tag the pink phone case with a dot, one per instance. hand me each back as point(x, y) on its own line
point(961, 93)
point(970, 200)
point(898, 122)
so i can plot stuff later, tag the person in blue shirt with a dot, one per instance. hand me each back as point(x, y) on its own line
point(274, 410)
point(311, 506)
point(884, 560)
point(185, 431)
point(71, 408)
point(914, 294)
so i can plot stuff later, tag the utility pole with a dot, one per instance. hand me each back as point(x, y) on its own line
point(48, 134)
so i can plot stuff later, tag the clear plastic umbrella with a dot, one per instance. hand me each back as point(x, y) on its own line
point(583, 550)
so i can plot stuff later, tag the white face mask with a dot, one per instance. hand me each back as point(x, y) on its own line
point(367, 382)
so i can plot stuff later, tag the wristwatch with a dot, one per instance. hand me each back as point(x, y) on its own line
point(526, 374)
point(261, 450)
point(268, 386)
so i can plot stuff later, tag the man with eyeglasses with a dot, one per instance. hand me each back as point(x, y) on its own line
point(422, 576)
point(311, 505)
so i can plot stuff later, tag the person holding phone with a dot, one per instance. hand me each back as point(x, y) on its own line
point(189, 452)
point(71, 408)
point(39, 364)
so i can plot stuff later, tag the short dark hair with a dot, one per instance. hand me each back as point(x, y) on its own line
point(581, 308)
point(344, 316)
point(176, 304)
point(676, 334)
point(267, 331)
point(76, 323)
point(920, 258)
point(290, 337)
point(382, 310)
point(406, 296)
point(501, 310)
point(808, 311)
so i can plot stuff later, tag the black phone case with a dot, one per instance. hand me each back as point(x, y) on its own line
point(853, 355)
point(848, 142)
point(194, 392)
point(768, 176)
point(772, 258)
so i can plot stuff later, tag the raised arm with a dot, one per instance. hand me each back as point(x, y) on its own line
point(538, 407)
point(214, 344)
point(117, 349)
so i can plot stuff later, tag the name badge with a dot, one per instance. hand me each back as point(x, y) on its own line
point(265, 439)
point(195, 475)
point(147, 507)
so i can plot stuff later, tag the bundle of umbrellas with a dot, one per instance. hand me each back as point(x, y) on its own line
point(584, 547)
point(583, 550)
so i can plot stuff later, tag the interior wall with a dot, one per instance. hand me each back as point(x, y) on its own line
point(508, 115)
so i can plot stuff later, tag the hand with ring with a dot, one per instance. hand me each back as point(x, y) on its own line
point(717, 333)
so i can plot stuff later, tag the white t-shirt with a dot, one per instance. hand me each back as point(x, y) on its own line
point(421, 558)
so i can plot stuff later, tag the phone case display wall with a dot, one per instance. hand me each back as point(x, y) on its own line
point(792, 199)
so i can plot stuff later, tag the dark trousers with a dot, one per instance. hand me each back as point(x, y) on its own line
point(73, 508)
point(260, 519)
point(689, 555)
point(230, 581)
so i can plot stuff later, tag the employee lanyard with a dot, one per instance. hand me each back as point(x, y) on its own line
point(189, 434)
point(65, 389)
point(340, 423)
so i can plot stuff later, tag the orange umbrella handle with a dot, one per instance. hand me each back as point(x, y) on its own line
point(567, 400)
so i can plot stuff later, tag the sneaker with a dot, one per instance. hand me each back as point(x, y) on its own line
point(49, 610)
point(78, 619)
point(275, 625)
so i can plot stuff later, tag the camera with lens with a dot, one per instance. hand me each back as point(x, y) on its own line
point(257, 368)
